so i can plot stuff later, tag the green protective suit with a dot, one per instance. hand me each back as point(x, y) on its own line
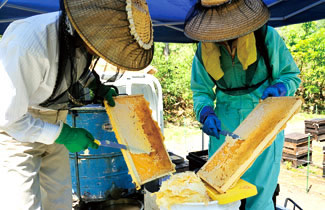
point(233, 109)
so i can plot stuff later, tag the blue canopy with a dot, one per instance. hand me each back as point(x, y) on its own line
point(168, 15)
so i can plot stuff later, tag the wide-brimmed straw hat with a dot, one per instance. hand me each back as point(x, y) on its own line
point(119, 31)
point(221, 20)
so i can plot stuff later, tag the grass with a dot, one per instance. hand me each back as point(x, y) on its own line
point(303, 169)
point(178, 133)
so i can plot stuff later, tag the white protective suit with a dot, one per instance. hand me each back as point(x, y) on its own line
point(34, 172)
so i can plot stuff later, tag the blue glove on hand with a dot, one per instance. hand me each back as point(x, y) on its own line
point(211, 123)
point(276, 90)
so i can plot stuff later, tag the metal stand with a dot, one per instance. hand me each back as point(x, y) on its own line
point(74, 115)
point(294, 204)
point(202, 140)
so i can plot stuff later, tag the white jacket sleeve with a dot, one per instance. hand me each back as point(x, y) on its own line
point(23, 65)
point(29, 129)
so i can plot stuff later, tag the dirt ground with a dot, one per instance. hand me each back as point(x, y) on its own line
point(293, 181)
point(293, 185)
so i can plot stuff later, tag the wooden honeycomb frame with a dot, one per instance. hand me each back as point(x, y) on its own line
point(133, 126)
point(259, 130)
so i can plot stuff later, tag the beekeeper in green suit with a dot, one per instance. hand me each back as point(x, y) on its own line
point(239, 61)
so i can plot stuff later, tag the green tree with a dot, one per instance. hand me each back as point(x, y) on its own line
point(306, 42)
point(174, 62)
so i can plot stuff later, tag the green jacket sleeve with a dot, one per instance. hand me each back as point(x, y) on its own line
point(201, 85)
point(284, 68)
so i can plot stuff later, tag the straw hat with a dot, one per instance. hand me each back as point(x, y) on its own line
point(221, 20)
point(119, 31)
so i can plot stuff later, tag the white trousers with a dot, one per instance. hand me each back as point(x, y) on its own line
point(35, 175)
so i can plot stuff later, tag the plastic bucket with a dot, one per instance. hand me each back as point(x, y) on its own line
point(97, 173)
point(213, 205)
point(150, 201)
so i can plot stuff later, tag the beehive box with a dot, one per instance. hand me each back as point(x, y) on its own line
point(323, 155)
point(133, 126)
point(296, 144)
point(259, 130)
point(315, 126)
point(324, 161)
point(295, 149)
point(297, 160)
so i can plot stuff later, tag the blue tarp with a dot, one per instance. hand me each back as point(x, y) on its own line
point(168, 15)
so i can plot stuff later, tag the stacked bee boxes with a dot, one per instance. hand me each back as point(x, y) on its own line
point(324, 161)
point(295, 149)
point(316, 127)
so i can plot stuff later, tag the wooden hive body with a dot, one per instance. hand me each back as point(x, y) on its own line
point(133, 126)
point(259, 130)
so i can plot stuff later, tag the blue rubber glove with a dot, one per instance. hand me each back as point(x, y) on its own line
point(276, 90)
point(211, 123)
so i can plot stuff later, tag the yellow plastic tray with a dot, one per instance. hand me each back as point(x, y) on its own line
point(240, 191)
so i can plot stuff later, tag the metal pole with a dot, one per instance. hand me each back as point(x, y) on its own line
point(307, 187)
point(202, 140)
point(74, 115)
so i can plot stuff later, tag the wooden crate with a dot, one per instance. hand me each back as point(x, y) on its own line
point(297, 160)
point(323, 155)
point(296, 144)
point(319, 137)
point(315, 126)
point(324, 161)
point(258, 130)
point(296, 149)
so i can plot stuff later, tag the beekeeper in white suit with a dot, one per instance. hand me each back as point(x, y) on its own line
point(44, 61)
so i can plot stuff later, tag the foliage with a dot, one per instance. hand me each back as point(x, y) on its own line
point(288, 165)
point(173, 62)
point(306, 42)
